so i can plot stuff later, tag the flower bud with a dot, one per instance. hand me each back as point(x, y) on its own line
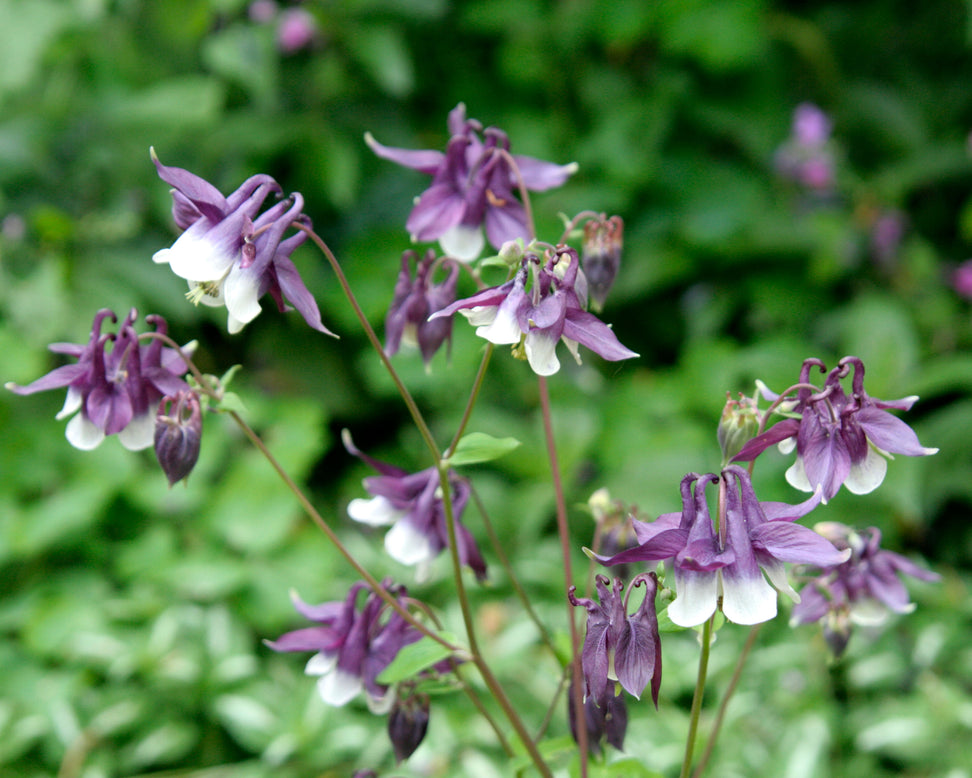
point(178, 433)
point(407, 724)
point(603, 240)
point(738, 425)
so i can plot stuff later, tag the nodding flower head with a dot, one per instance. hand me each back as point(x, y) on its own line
point(839, 438)
point(232, 254)
point(534, 320)
point(116, 384)
point(474, 185)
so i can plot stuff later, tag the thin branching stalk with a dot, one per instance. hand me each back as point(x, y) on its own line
point(696, 711)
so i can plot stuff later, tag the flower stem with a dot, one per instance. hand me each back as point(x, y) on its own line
point(564, 532)
point(471, 402)
point(724, 704)
point(697, 698)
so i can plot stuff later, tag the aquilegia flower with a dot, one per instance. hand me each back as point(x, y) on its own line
point(474, 184)
point(230, 253)
point(114, 391)
point(729, 562)
point(353, 646)
point(415, 299)
point(535, 320)
point(863, 590)
point(618, 647)
point(608, 723)
point(412, 504)
point(838, 439)
point(601, 259)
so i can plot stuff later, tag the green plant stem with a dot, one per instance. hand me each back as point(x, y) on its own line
point(580, 720)
point(696, 712)
point(724, 704)
point(369, 331)
point(471, 402)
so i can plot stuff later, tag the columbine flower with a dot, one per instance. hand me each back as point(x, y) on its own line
point(412, 504)
point(603, 239)
point(619, 647)
point(962, 279)
point(408, 722)
point(230, 253)
point(552, 310)
point(806, 157)
point(178, 434)
point(415, 299)
point(474, 184)
point(838, 439)
point(353, 646)
point(609, 722)
point(116, 391)
point(727, 563)
point(863, 590)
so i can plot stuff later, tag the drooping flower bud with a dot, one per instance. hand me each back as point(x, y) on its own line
point(603, 240)
point(408, 722)
point(738, 425)
point(609, 721)
point(178, 434)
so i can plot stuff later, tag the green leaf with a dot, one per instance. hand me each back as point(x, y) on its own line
point(480, 447)
point(414, 658)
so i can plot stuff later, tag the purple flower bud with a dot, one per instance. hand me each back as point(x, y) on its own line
point(416, 299)
point(609, 721)
point(178, 433)
point(738, 425)
point(408, 722)
point(601, 258)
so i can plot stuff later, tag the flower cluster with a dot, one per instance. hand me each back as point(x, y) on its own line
point(474, 184)
point(726, 564)
point(116, 390)
point(862, 590)
point(839, 439)
point(535, 320)
point(415, 299)
point(412, 504)
point(230, 253)
point(353, 646)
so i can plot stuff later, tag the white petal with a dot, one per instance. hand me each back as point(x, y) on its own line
point(377, 512)
point(234, 325)
point(195, 257)
point(140, 432)
point(321, 663)
point(72, 403)
point(83, 434)
point(541, 351)
point(787, 445)
point(480, 315)
point(338, 688)
point(871, 613)
point(867, 476)
point(796, 476)
point(406, 545)
point(695, 598)
point(241, 290)
point(212, 296)
point(161, 256)
point(503, 329)
point(381, 705)
point(748, 600)
point(777, 576)
point(462, 242)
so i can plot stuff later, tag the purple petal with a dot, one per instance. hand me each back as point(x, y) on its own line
point(797, 544)
point(59, 377)
point(204, 196)
point(591, 332)
point(427, 162)
point(439, 208)
point(890, 434)
point(307, 639)
point(297, 294)
point(782, 430)
point(538, 176)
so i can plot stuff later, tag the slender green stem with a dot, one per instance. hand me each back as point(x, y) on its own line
point(478, 704)
point(730, 689)
point(696, 712)
point(564, 532)
point(511, 573)
point(369, 331)
point(471, 402)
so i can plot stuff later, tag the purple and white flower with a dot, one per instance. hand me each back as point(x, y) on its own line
point(230, 253)
point(839, 439)
point(863, 590)
point(732, 562)
point(474, 185)
point(116, 391)
point(353, 646)
point(619, 647)
point(535, 320)
point(412, 504)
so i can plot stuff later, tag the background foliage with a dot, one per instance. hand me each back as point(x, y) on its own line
point(131, 615)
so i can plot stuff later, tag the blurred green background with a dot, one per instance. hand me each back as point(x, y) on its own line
point(131, 615)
